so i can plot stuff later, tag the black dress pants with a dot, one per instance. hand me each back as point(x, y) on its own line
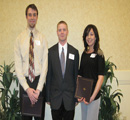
point(62, 113)
point(34, 86)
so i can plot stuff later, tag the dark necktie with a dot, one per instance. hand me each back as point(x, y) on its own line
point(62, 61)
point(31, 59)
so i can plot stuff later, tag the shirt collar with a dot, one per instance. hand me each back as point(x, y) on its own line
point(60, 46)
point(33, 31)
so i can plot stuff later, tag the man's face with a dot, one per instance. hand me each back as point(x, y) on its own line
point(31, 17)
point(62, 32)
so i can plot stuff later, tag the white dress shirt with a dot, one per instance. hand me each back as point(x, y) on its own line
point(21, 51)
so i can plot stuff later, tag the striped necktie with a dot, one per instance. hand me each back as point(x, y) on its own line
point(31, 59)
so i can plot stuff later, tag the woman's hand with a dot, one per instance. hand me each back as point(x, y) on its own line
point(85, 102)
point(91, 99)
point(80, 99)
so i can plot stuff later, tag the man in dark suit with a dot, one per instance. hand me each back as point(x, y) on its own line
point(63, 61)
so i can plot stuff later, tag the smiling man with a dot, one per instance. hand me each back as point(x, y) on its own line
point(31, 61)
point(63, 60)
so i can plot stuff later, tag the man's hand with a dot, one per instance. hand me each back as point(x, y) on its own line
point(31, 95)
point(48, 103)
point(37, 93)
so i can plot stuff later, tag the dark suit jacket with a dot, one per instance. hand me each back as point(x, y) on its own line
point(60, 89)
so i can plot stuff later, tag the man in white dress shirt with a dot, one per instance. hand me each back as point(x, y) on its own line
point(27, 56)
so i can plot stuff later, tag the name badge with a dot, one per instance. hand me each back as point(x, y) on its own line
point(37, 42)
point(71, 56)
point(93, 55)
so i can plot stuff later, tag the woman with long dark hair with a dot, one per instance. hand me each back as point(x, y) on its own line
point(92, 66)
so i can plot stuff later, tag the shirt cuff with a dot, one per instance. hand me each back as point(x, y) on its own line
point(25, 86)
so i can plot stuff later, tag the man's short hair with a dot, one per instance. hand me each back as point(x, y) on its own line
point(33, 6)
point(62, 22)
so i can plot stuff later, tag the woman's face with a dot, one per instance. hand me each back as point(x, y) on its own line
point(90, 38)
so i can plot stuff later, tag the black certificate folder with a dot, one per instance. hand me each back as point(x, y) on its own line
point(31, 110)
point(84, 88)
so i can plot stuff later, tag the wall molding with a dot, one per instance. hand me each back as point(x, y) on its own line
point(123, 76)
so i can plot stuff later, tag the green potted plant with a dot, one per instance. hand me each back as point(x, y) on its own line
point(109, 106)
point(2, 115)
point(9, 99)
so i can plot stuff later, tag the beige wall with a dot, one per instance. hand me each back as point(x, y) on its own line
point(112, 18)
